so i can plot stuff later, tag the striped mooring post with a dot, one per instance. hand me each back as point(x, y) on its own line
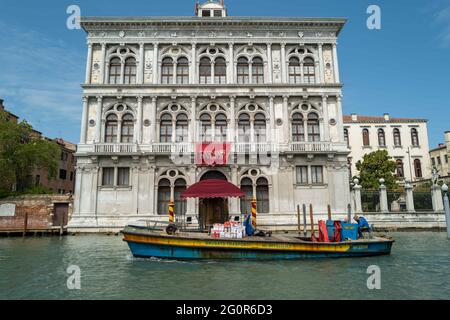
point(254, 213)
point(171, 212)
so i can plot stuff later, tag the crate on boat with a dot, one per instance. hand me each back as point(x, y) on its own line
point(349, 230)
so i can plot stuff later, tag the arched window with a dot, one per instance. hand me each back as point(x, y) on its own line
point(127, 131)
point(257, 70)
point(309, 71)
point(246, 202)
point(346, 137)
point(418, 168)
point(381, 138)
point(163, 197)
point(167, 71)
point(130, 71)
point(260, 127)
point(414, 137)
point(243, 71)
point(366, 139)
point(111, 129)
point(180, 204)
point(114, 71)
point(400, 169)
point(182, 128)
point(244, 128)
point(206, 127)
point(295, 73)
point(262, 196)
point(205, 70)
point(221, 127)
point(220, 71)
point(165, 128)
point(183, 71)
point(313, 128)
point(298, 128)
point(397, 138)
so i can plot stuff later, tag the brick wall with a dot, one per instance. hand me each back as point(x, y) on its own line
point(39, 208)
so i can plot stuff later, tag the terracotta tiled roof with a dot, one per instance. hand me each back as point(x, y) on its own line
point(372, 119)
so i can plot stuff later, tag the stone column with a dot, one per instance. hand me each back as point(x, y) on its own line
point(89, 64)
point(140, 75)
point(231, 63)
point(84, 120)
point(98, 121)
point(326, 119)
point(269, 62)
point(340, 120)
point(272, 136)
point(194, 63)
point(193, 126)
point(357, 195)
point(134, 175)
point(283, 63)
point(383, 197)
point(153, 188)
point(155, 63)
point(321, 67)
point(153, 111)
point(103, 64)
point(234, 201)
point(138, 130)
point(409, 198)
point(286, 119)
point(335, 64)
point(436, 196)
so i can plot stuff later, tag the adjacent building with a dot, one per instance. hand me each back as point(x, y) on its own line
point(405, 139)
point(439, 157)
point(64, 182)
point(164, 96)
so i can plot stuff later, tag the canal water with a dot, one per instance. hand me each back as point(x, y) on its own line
point(35, 268)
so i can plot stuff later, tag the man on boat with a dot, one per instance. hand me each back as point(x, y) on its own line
point(363, 225)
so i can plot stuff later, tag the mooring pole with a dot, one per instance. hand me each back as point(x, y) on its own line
point(349, 216)
point(171, 212)
point(254, 213)
point(447, 209)
point(298, 219)
point(304, 220)
point(25, 224)
point(311, 216)
point(329, 212)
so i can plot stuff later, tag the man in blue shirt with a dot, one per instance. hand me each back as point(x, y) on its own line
point(363, 225)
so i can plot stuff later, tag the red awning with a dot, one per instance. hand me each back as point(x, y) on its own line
point(213, 189)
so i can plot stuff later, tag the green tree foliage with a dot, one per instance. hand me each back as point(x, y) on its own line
point(374, 166)
point(21, 153)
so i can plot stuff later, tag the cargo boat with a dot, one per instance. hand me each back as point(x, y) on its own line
point(145, 242)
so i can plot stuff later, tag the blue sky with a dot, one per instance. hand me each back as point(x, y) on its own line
point(403, 69)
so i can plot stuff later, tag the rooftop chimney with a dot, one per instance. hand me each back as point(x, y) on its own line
point(387, 117)
point(354, 117)
point(447, 138)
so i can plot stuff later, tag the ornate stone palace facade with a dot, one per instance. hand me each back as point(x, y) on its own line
point(158, 89)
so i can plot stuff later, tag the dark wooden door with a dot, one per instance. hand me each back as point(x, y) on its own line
point(213, 211)
point(61, 214)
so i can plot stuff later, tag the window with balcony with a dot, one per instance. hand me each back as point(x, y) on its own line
point(221, 127)
point(165, 128)
point(130, 71)
point(295, 73)
point(167, 71)
point(298, 128)
point(206, 127)
point(205, 70)
point(182, 128)
point(257, 70)
point(182, 71)
point(111, 128)
point(313, 128)
point(260, 127)
point(127, 129)
point(244, 128)
point(220, 71)
point(243, 71)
